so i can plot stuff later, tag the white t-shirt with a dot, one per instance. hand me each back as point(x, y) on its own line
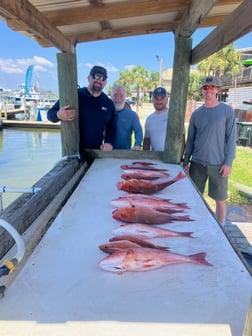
point(155, 129)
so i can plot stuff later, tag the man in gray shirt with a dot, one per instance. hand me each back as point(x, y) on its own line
point(211, 145)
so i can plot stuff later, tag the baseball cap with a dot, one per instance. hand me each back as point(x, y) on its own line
point(160, 91)
point(210, 80)
point(97, 69)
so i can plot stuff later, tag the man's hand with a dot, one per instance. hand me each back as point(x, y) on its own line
point(106, 147)
point(186, 169)
point(225, 170)
point(66, 114)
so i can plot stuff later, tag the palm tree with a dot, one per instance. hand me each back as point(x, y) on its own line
point(226, 60)
point(136, 79)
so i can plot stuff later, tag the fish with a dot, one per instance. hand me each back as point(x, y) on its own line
point(142, 165)
point(118, 243)
point(146, 215)
point(115, 246)
point(143, 174)
point(146, 231)
point(149, 201)
point(146, 259)
point(139, 241)
point(146, 186)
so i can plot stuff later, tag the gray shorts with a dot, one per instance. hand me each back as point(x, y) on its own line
point(217, 184)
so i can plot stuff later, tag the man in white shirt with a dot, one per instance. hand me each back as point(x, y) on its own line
point(156, 123)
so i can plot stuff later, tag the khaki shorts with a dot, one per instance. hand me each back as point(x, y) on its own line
point(217, 184)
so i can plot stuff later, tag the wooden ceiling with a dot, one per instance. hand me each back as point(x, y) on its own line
point(65, 23)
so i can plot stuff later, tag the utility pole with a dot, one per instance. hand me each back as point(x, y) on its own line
point(160, 60)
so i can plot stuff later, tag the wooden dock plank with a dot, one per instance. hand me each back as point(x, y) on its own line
point(30, 124)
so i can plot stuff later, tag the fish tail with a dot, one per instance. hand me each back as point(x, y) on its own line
point(200, 258)
point(184, 218)
point(182, 205)
point(186, 234)
point(165, 248)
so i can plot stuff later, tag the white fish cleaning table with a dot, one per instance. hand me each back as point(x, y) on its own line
point(62, 291)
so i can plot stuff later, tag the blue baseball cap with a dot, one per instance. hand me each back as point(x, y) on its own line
point(160, 91)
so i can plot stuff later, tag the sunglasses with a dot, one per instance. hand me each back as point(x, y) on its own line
point(208, 87)
point(99, 77)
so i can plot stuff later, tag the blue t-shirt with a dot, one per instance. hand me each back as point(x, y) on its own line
point(127, 123)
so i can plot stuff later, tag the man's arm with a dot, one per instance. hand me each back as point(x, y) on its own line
point(137, 128)
point(146, 144)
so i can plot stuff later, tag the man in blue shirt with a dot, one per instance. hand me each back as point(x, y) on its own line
point(127, 122)
point(96, 113)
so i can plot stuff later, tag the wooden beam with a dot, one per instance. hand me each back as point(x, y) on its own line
point(234, 27)
point(113, 11)
point(68, 95)
point(122, 32)
point(21, 13)
point(177, 106)
point(192, 17)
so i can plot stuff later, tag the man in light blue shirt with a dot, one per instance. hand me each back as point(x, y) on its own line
point(127, 122)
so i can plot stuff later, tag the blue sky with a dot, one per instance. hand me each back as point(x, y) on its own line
point(17, 52)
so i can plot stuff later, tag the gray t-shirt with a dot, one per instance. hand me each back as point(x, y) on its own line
point(211, 136)
point(155, 129)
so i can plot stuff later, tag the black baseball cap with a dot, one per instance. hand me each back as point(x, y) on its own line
point(97, 69)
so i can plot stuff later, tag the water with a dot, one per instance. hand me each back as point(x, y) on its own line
point(25, 156)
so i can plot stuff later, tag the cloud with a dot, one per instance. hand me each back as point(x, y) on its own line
point(130, 66)
point(109, 67)
point(20, 65)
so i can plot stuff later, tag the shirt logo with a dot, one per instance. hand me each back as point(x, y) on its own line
point(104, 108)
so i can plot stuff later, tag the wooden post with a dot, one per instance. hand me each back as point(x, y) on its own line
point(247, 331)
point(68, 95)
point(178, 99)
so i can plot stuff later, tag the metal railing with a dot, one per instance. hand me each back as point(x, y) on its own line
point(244, 77)
point(4, 189)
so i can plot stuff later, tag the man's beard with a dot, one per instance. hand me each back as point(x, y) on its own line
point(96, 87)
point(160, 107)
point(118, 106)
